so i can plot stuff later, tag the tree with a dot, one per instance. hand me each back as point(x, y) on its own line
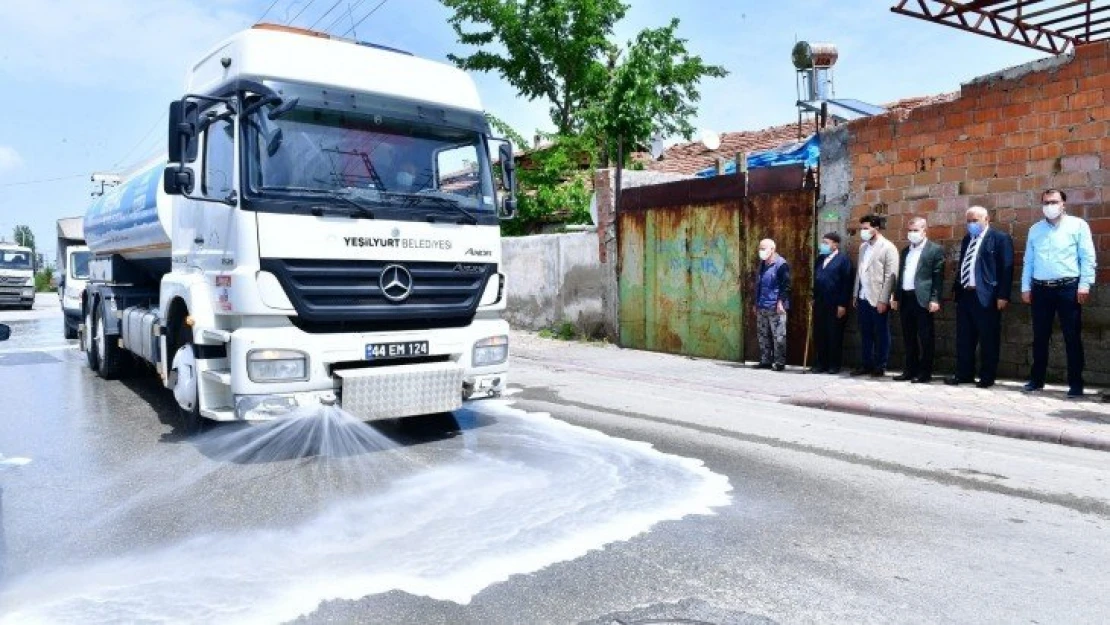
point(23, 236)
point(654, 90)
point(560, 50)
point(551, 49)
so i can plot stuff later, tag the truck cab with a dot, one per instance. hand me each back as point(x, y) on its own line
point(318, 236)
point(17, 276)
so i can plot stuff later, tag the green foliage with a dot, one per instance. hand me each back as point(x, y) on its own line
point(23, 236)
point(548, 49)
point(44, 280)
point(654, 89)
point(561, 51)
point(565, 331)
point(554, 185)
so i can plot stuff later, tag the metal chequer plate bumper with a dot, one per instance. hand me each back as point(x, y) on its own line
point(406, 390)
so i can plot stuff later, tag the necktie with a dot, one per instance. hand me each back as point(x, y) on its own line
point(969, 261)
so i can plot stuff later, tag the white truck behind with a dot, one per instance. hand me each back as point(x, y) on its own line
point(326, 231)
point(17, 276)
point(71, 272)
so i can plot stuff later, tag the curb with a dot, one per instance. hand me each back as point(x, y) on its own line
point(957, 421)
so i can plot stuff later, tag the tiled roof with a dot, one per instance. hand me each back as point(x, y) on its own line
point(690, 158)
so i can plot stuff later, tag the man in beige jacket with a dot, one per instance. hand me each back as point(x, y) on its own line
point(875, 280)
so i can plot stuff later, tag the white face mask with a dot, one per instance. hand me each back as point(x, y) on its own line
point(405, 179)
point(866, 234)
point(764, 254)
point(915, 237)
point(1052, 211)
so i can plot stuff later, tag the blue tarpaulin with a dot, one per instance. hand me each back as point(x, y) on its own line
point(799, 153)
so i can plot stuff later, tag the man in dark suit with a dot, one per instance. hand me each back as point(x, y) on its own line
point(832, 293)
point(984, 282)
point(921, 274)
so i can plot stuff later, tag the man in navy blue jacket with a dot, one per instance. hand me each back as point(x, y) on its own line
point(982, 289)
point(772, 300)
point(832, 293)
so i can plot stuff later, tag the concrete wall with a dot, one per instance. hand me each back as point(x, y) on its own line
point(555, 278)
point(1007, 137)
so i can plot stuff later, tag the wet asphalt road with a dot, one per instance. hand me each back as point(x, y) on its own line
point(741, 512)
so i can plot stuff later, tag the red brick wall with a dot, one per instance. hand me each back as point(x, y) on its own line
point(1005, 139)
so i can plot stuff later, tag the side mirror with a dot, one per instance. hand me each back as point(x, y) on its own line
point(508, 180)
point(178, 180)
point(5, 332)
point(183, 130)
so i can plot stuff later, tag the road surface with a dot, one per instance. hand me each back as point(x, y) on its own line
point(587, 496)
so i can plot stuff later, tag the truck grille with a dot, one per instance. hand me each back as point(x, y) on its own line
point(346, 295)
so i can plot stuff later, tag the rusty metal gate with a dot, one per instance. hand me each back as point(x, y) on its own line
point(688, 258)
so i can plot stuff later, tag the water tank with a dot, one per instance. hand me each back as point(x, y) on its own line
point(807, 55)
point(133, 219)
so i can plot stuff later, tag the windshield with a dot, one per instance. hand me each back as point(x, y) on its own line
point(382, 161)
point(79, 265)
point(15, 259)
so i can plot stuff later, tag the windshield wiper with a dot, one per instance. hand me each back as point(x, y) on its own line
point(363, 210)
point(412, 199)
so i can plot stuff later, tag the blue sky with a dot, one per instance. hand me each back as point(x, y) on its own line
point(85, 85)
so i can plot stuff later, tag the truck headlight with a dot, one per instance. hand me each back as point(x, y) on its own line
point(493, 350)
point(30, 282)
point(277, 365)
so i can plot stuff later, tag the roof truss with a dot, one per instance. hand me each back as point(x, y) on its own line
point(1052, 26)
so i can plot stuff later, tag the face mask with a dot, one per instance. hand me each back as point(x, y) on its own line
point(824, 248)
point(1052, 211)
point(866, 234)
point(405, 179)
point(764, 254)
point(915, 237)
point(974, 228)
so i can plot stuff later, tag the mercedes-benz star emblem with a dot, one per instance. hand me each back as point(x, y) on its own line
point(396, 283)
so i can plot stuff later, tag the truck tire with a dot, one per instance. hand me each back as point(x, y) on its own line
point(69, 330)
point(87, 342)
point(108, 353)
point(186, 387)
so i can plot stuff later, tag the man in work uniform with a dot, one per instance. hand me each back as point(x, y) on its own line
point(772, 300)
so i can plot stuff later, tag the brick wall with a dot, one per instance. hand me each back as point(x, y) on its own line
point(1006, 137)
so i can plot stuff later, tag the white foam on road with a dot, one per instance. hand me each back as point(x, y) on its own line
point(526, 492)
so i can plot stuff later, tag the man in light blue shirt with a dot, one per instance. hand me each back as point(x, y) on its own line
point(1056, 279)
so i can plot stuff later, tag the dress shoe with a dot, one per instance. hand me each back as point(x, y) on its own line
point(878, 373)
point(956, 381)
point(836, 371)
point(922, 379)
point(1031, 387)
point(778, 367)
point(1075, 393)
point(817, 370)
point(762, 365)
point(858, 371)
point(984, 384)
point(904, 376)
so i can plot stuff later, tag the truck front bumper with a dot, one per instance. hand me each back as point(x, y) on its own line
point(339, 373)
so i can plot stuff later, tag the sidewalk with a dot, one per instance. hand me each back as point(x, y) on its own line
point(1003, 410)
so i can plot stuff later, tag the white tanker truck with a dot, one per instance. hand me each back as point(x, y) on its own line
point(326, 230)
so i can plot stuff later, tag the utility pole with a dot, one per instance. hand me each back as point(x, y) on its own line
point(103, 181)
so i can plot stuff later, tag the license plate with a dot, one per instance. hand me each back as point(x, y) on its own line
point(407, 349)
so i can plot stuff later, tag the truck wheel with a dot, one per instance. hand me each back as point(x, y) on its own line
point(108, 353)
point(186, 387)
point(69, 330)
point(87, 340)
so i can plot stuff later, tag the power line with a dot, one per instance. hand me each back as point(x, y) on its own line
point(372, 11)
point(307, 4)
point(41, 180)
point(267, 11)
point(337, 3)
point(350, 13)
